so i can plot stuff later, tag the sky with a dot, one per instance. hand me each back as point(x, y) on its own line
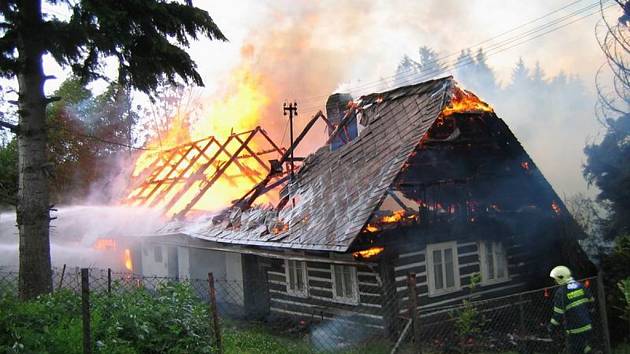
point(305, 50)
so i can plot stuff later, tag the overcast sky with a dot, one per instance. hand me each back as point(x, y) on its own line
point(307, 49)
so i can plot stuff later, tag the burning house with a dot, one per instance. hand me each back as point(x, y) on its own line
point(423, 179)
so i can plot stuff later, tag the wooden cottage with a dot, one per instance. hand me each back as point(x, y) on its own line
point(422, 179)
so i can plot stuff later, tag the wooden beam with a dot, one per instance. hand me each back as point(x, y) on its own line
point(198, 175)
point(202, 151)
point(245, 201)
point(168, 175)
point(158, 171)
point(216, 175)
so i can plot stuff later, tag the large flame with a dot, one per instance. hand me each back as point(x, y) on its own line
point(464, 101)
point(238, 110)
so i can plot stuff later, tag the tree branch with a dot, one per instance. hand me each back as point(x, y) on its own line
point(12, 127)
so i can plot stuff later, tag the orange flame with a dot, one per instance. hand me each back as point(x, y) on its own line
point(239, 110)
point(279, 228)
point(370, 252)
point(128, 262)
point(464, 101)
point(371, 228)
point(395, 217)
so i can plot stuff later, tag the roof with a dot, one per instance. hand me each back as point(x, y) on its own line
point(337, 191)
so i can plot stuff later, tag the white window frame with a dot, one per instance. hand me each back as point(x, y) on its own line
point(483, 265)
point(287, 273)
point(353, 299)
point(433, 291)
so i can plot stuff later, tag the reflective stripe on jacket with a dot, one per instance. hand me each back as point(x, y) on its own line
point(572, 302)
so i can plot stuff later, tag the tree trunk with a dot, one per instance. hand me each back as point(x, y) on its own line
point(34, 170)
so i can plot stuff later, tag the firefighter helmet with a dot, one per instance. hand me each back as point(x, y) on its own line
point(561, 274)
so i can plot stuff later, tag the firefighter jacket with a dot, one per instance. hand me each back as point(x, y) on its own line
point(572, 302)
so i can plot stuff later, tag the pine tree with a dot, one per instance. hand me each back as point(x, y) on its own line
point(146, 37)
point(429, 64)
point(520, 81)
point(406, 73)
point(485, 80)
point(465, 68)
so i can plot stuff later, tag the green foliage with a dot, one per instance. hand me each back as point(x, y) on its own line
point(147, 38)
point(256, 339)
point(475, 280)
point(608, 167)
point(624, 287)
point(8, 173)
point(87, 133)
point(615, 267)
point(467, 321)
point(169, 319)
point(48, 324)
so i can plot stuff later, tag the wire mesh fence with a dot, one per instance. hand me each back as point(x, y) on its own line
point(371, 318)
point(516, 323)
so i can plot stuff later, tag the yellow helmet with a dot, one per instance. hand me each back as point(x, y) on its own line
point(561, 274)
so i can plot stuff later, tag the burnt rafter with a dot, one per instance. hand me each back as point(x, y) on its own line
point(261, 188)
point(200, 162)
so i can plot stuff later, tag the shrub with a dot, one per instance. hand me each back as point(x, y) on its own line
point(169, 319)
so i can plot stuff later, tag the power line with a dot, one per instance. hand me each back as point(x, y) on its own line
point(498, 45)
point(109, 142)
point(14, 128)
point(417, 76)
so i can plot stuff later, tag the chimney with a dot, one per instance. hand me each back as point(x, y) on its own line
point(336, 107)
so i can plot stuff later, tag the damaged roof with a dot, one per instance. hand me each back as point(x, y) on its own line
point(337, 191)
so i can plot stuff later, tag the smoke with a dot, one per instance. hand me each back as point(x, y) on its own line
point(76, 229)
point(347, 332)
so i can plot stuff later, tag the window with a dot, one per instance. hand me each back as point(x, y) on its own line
point(345, 287)
point(442, 268)
point(157, 254)
point(493, 262)
point(296, 278)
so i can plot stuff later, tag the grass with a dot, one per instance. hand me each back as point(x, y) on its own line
point(254, 339)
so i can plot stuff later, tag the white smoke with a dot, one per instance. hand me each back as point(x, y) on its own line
point(76, 229)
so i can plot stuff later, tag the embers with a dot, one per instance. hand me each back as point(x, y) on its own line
point(387, 220)
point(368, 253)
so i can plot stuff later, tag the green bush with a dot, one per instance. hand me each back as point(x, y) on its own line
point(168, 320)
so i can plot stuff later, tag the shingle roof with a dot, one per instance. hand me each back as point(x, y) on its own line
point(337, 191)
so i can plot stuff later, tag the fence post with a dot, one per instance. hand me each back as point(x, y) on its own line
point(601, 300)
point(214, 312)
point(413, 310)
point(63, 272)
point(109, 281)
point(85, 309)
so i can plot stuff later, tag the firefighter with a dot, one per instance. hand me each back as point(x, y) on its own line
point(572, 305)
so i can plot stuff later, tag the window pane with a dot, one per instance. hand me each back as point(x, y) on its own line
point(338, 280)
point(291, 271)
point(437, 257)
point(437, 270)
point(489, 260)
point(299, 276)
point(501, 261)
point(349, 284)
point(448, 268)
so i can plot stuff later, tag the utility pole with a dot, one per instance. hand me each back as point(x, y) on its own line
point(292, 110)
